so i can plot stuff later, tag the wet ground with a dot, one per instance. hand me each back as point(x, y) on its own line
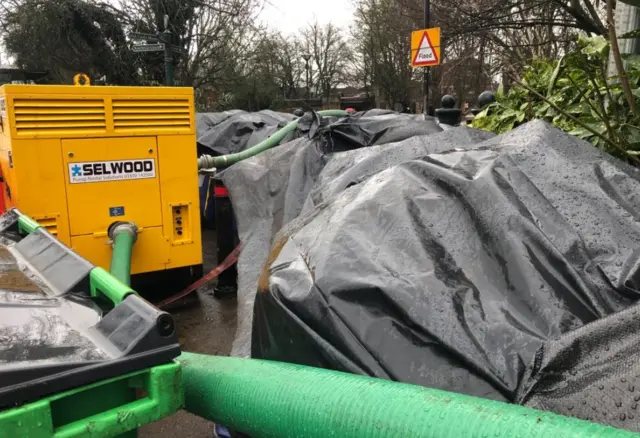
point(205, 325)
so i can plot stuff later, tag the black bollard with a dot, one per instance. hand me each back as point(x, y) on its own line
point(485, 98)
point(227, 237)
point(448, 114)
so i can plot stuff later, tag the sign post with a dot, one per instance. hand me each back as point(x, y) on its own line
point(159, 42)
point(138, 48)
point(427, 71)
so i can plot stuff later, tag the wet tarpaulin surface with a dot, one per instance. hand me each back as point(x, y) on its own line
point(270, 189)
point(234, 131)
point(33, 327)
point(36, 332)
point(590, 373)
point(500, 269)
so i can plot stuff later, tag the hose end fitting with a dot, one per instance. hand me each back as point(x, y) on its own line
point(122, 227)
point(206, 162)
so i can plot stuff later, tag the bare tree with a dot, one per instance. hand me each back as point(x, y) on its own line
point(218, 35)
point(381, 34)
point(471, 16)
point(291, 67)
point(222, 37)
point(513, 30)
point(330, 56)
point(480, 39)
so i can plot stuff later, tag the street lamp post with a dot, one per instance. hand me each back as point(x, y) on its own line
point(168, 53)
point(306, 58)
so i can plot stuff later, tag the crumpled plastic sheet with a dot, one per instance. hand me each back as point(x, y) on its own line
point(270, 189)
point(505, 268)
point(590, 373)
point(234, 131)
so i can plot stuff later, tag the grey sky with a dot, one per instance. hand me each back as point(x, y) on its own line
point(290, 15)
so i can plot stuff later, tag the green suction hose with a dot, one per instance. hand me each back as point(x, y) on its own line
point(271, 399)
point(208, 162)
point(123, 235)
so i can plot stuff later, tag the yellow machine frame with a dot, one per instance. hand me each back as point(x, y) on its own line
point(79, 158)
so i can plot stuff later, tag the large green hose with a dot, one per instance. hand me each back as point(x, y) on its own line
point(271, 399)
point(208, 162)
point(123, 236)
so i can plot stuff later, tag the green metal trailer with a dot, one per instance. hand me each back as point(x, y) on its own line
point(81, 354)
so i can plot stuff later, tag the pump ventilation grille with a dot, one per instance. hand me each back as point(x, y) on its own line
point(48, 117)
point(157, 115)
point(49, 223)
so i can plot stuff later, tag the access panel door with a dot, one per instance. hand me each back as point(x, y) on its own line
point(109, 180)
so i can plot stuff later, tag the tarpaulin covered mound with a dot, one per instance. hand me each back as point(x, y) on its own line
point(494, 270)
point(234, 131)
point(270, 189)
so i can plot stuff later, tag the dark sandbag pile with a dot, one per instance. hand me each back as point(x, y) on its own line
point(502, 267)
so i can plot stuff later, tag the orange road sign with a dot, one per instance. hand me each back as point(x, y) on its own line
point(425, 47)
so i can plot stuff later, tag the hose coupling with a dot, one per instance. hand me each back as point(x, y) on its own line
point(122, 227)
point(207, 161)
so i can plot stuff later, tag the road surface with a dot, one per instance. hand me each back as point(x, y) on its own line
point(205, 325)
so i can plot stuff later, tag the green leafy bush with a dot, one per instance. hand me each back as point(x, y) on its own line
point(575, 94)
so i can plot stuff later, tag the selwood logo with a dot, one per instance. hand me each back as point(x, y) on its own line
point(100, 171)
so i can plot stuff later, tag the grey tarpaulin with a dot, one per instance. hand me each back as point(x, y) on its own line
point(590, 373)
point(493, 267)
point(234, 131)
point(270, 189)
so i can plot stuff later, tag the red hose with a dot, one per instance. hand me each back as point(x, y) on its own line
point(226, 264)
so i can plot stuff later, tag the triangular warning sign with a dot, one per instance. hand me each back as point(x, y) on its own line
point(426, 54)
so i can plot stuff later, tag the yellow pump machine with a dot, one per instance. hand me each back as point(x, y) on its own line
point(83, 159)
